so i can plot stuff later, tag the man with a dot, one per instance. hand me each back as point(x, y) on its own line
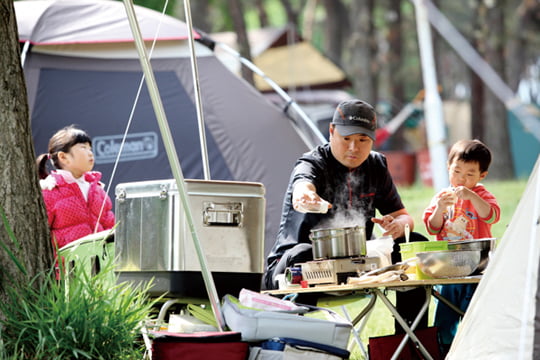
point(340, 183)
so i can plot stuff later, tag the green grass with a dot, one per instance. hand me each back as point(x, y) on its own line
point(416, 198)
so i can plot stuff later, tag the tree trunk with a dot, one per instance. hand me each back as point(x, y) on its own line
point(477, 86)
point(309, 20)
point(361, 50)
point(495, 133)
point(396, 75)
point(395, 54)
point(20, 194)
point(477, 106)
point(292, 14)
point(199, 14)
point(263, 16)
point(522, 39)
point(237, 15)
point(336, 29)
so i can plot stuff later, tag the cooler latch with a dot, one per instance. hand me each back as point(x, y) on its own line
point(223, 214)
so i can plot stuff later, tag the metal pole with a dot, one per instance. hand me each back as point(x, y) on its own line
point(173, 159)
point(198, 102)
point(432, 103)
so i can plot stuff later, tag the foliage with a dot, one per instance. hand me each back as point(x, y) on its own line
point(157, 5)
point(82, 317)
point(11, 235)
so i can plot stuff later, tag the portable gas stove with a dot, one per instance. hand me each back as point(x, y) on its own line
point(336, 271)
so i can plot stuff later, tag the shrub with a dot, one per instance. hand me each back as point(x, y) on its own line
point(80, 317)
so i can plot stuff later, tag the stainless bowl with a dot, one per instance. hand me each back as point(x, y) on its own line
point(486, 246)
point(448, 263)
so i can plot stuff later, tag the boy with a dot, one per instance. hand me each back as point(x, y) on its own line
point(465, 211)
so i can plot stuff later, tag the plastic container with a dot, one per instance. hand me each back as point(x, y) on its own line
point(409, 250)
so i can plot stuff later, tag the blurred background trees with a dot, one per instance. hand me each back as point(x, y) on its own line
point(375, 43)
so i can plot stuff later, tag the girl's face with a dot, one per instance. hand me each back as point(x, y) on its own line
point(351, 151)
point(465, 173)
point(78, 160)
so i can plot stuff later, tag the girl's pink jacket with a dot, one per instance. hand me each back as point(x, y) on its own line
point(70, 215)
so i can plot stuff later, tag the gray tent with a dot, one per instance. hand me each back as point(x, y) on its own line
point(81, 67)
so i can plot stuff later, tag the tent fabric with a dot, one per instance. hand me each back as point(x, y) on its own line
point(502, 321)
point(286, 59)
point(248, 138)
point(53, 22)
point(298, 65)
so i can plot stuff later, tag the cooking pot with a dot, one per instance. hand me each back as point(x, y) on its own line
point(338, 242)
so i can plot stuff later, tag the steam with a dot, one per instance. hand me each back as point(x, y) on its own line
point(345, 217)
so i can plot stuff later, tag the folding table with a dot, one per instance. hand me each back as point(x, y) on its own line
point(378, 290)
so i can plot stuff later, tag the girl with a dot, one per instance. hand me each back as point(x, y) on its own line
point(76, 202)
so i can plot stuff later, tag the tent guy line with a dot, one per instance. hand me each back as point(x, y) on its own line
point(131, 114)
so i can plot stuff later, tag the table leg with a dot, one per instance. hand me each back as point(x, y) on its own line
point(448, 303)
point(365, 310)
point(408, 330)
point(356, 333)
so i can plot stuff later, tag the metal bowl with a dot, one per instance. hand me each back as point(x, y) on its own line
point(448, 263)
point(486, 246)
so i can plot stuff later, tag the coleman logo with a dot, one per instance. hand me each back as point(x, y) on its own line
point(137, 146)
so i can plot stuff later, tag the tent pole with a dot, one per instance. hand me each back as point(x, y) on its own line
point(173, 158)
point(196, 85)
point(24, 51)
point(432, 103)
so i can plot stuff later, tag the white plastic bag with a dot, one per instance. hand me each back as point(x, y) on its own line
point(382, 248)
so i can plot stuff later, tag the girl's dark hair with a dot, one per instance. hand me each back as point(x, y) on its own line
point(63, 140)
point(471, 151)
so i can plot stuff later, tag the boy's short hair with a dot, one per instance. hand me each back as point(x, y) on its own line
point(471, 150)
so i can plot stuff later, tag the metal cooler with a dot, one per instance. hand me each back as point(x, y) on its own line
point(153, 239)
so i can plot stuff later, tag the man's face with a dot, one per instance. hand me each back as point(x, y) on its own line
point(351, 151)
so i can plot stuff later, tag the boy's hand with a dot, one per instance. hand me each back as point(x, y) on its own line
point(464, 193)
point(447, 197)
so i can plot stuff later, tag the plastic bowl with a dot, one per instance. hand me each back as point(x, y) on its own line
point(448, 263)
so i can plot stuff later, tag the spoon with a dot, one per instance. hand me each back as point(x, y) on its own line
point(407, 232)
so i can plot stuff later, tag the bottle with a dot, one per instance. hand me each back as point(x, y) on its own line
point(321, 207)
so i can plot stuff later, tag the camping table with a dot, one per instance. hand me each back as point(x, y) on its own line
point(377, 290)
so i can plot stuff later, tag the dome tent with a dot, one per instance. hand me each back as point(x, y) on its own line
point(81, 67)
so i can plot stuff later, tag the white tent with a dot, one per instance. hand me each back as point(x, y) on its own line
point(503, 321)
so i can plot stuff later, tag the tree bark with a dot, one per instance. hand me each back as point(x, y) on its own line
point(309, 19)
point(20, 193)
point(495, 133)
point(523, 40)
point(336, 29)
point(477, 86)
point(237, 15)
point(292, 14)
point(263, 16)
point(395, 54)
point(361, 51)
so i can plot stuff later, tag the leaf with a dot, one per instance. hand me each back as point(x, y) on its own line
point(14, 239)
